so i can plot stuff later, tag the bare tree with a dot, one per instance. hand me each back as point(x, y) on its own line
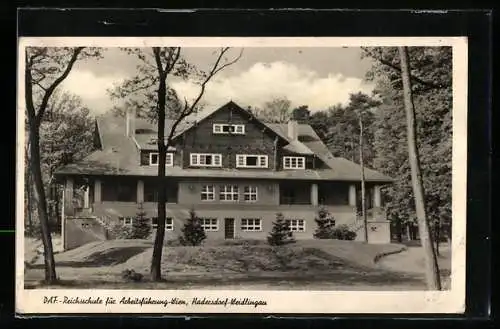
point(431, 264)
point(45, 69)
point(277, 110)
point(363, 188)
point(153, 73)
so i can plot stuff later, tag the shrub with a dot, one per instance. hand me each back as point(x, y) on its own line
point(141, 226)
point(325, 225)
point(281, 233)
point(193, 233)
point(118, 230)
point(342, 232)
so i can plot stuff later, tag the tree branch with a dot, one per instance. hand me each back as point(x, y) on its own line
point(224, 50)
point(189, 109)
point(55, 84)
point(149, 84)
point(413, 77)
point(172, 60)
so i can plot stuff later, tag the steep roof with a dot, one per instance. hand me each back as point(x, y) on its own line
point(119, 154)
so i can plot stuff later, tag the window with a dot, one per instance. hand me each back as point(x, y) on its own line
point(294, 162)
point(223, 128)
point(251, 224)
point(228, 193)
point(250, 193)
point(154, 159)
point(169, 223)
point(251, 161)
point(239, 129)
point(127, 221)
point(207, 193)
point(297, 225)
point(206, 160)
point(209, 224)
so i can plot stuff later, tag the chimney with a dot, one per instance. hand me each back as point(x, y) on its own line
point(130, 122)
point(293, 129)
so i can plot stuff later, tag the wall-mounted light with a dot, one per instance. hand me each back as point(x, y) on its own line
point(270, 188)
point(191, 187)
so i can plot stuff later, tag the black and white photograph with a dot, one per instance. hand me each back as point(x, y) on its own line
point(213, 175)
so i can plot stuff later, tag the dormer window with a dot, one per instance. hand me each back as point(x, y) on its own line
point(206, 160)
point(294, 162)
point(224, 128)
point(251, 161)
point(154, 159)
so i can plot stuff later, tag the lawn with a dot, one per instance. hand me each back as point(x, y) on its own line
point(321, 264)
point(33, 247)
point(412, 261)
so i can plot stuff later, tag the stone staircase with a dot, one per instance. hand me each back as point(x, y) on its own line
point(104, 220)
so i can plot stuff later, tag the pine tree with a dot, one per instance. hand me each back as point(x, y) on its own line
point(281, 233)
point(325, 224)
point(193, 233)
point(141, 226)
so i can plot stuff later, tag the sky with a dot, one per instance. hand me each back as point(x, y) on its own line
point(317, 77)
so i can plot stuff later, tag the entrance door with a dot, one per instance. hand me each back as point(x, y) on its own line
point(229, 228)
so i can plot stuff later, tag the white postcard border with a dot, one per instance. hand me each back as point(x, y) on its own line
point(452, 301)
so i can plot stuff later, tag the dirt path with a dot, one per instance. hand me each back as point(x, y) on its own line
point(412, 261)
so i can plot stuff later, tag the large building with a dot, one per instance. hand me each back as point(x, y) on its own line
point(234, 170)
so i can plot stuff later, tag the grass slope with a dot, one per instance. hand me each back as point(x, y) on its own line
point(307, 263)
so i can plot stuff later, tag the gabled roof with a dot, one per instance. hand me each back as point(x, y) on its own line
point(120, 154)
point(196, 118)
point(298, 147)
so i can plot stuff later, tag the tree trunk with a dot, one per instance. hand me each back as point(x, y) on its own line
point(363, 189)
point(353, 152)
point(28, 186)
point(50, 266)
point(437, 235)
point(50, 206)
point(431, 265)
point(162, 209)
point(399, 230)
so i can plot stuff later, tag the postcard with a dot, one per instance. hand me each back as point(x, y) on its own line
point(270, 175)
